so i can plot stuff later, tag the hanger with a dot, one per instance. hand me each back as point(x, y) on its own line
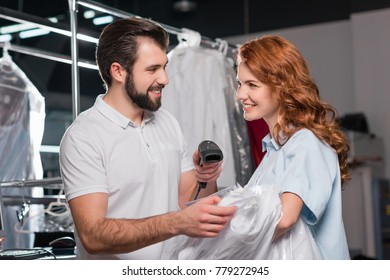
point(6, 61)
point(223, 46)
point(7, 66)
point(56, 208)
point(6, 57)
point(189, 38)
point(24, 208)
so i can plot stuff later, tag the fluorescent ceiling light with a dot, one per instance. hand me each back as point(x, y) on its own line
point(21, 26)
point(49, 149)
point(89, 14)
point(184, 6)
point(53, 19)
point(33, 33)
point(16, 28)
point(33, 26)
point(103, 20)
point(5, 38)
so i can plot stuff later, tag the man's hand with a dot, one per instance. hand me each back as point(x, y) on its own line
point(208, 172)
point(204, 218)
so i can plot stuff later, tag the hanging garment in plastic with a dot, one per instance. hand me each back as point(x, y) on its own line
point(238, 126)
point(22, 116)
point(200, 94)
point(249, 234)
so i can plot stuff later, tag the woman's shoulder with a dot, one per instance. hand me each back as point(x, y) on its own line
point(305, 143)
point(305, 137)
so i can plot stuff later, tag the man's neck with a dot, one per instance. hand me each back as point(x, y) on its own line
point(123, 104)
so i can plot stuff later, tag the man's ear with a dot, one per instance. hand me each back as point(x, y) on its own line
point(118, 73)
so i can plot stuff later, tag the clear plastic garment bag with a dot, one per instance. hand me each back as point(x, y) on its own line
point(249, 235)
point(200, 94)
point(22, 115)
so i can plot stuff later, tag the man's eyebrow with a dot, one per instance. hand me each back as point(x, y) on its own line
point(153, 66)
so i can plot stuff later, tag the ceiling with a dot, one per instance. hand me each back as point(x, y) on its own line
point(212, 18)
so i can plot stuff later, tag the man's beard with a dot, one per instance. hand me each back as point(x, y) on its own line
point(142, 100)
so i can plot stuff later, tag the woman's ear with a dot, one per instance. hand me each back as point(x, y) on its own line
point(118, 73)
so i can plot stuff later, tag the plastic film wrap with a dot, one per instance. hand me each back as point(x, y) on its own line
point(249, 235)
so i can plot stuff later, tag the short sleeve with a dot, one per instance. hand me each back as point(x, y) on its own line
point(186, 161)
point(311, 168)
point(81, 163)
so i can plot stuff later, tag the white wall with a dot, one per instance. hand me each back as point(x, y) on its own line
point(350, 60)
point(371, 56)
point(327, 50)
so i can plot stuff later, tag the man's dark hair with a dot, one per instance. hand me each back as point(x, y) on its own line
point(118, 42)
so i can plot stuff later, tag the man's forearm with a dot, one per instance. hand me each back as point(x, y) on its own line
point(115, 236)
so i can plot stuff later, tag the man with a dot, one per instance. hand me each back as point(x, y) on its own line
point(124, 162)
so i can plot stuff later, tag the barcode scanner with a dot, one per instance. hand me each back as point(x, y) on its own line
point(208, 152)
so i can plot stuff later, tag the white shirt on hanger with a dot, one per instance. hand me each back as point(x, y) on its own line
point(22, 120)
point(195, 96)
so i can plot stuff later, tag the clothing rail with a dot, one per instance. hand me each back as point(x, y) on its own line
point(205, 41)
point(43, 23)
point(61, 29)
point(48, 55)
point(32, 183)
point(46, 200)
point(118, 13)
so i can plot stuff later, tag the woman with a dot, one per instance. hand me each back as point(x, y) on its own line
point(306, 151)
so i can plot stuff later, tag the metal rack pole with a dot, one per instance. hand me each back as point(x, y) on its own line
point(46, 200)
point(42, 23)
point(118, 13)
point(49, 55)
point(31, 183)
point(75, 56)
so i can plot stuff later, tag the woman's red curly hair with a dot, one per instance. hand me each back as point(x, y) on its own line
point(277, 63)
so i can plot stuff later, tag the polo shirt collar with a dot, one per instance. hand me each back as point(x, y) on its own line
point(148, 116)
point(116, 117)
point(269, 142)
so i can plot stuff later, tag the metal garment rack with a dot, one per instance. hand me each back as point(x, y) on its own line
point(47, 183)
point(74, 35)
point(47, 55)
point(61, 29)
point(32, 183)
point(74, 60)
point(205, 41)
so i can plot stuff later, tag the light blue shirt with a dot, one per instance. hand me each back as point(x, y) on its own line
point(309, 168)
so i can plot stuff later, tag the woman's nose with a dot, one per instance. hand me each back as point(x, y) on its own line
point(240, 95)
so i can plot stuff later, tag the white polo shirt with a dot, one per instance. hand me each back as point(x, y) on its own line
point(139, 167)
